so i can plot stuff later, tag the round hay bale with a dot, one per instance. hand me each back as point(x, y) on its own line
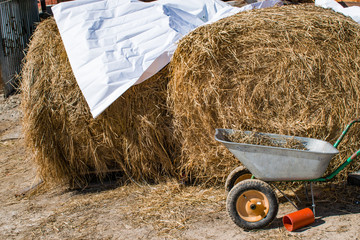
point(291, 70)
point(132, 135)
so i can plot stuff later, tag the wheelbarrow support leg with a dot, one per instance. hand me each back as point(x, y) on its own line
point(306, 191)
point(312, 197)
point(287, 198)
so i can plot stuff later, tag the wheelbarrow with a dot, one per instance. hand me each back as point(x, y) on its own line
point(252, 201)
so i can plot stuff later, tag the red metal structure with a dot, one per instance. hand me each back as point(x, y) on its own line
point(43, 3)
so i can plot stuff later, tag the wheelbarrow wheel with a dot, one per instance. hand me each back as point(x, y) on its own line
point(237, 175)
point(252, 204)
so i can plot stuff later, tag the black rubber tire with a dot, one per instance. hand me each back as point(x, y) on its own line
point(233, 177)
point(238, 190)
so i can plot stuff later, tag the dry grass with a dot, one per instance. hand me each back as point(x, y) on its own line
point(292, 70)
point(256, 138)
point(169, 209)
point(166, 207)
point(133, 135)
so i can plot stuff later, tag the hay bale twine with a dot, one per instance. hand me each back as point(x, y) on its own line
point(291, 70)
point(132, 135)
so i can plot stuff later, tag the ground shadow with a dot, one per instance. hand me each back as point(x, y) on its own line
point(330, 200)
point(94, 184)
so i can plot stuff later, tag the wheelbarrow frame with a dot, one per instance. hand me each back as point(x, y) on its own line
point(233, 195)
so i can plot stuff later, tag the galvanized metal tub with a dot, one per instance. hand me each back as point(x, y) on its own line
point(281, 164)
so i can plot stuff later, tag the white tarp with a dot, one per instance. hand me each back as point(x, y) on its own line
point(353, 12)
point(114, 44)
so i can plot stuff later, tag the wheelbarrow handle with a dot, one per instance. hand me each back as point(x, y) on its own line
point(340, 168)
point(345, 131)
point(348, 161)
point(356, 154)
point(356, 120)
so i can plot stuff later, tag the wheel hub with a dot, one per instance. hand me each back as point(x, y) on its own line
point(252, 205)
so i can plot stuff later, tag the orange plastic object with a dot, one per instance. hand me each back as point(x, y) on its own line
point(298, 219)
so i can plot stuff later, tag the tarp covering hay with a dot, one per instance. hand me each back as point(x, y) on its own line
point(132, 135)
point(291, 70)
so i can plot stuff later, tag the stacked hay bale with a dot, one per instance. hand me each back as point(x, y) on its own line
point(132, 135)
point(291, 70)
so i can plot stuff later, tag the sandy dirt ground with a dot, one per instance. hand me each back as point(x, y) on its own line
point(140, 211)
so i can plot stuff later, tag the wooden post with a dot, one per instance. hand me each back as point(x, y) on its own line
point(43, 6)
point(3, 66)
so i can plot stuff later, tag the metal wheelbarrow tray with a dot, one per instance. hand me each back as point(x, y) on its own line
point(281, 164)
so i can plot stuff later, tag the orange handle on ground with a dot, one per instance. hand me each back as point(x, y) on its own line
point(298, 219)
